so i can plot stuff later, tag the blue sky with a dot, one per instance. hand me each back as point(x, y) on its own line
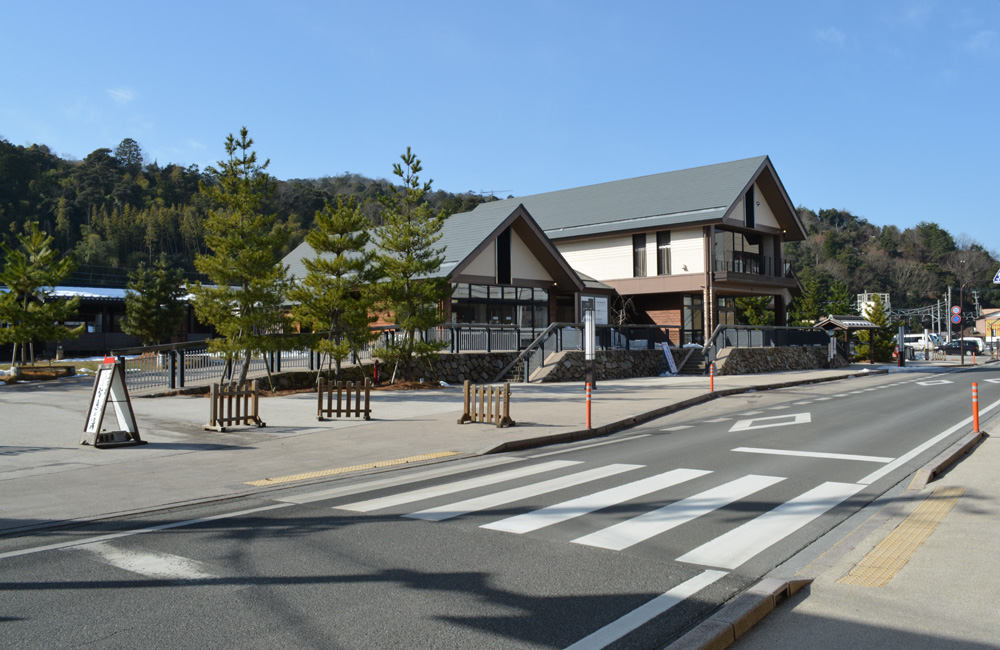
point(887, 109)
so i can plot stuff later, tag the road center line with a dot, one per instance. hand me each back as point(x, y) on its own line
point(813, 454)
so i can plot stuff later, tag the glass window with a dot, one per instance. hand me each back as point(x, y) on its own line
point(663, 252)
point(460, 291)
point(639, 255)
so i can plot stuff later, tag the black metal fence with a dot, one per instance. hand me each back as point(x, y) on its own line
point(750, 336)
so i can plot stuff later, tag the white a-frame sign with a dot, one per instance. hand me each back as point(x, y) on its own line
point(109, 388)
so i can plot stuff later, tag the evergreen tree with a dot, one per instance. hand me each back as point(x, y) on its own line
point(753, 310)
point(336, 298)
point(245, 305)
point(31, 271)
point(153, 307)
point(840, 299)
point(810, 306)
point(411, 293)
point(882, 338)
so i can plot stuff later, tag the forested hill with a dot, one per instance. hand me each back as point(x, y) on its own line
point(114, 209)
point(915, 266)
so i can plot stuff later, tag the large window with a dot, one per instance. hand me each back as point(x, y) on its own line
point(663, 252)
point(740, 253)
point(525, 307)
point(749, 216)
point(639, 255)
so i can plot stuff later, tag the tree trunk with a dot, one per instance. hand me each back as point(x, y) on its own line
point(244, 369)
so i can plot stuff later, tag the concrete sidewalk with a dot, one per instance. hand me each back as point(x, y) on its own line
point(48, 479)
point(945, 596)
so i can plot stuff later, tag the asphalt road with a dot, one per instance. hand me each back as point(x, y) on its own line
point(622, 542)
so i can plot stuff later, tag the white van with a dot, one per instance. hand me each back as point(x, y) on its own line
point(922, 341)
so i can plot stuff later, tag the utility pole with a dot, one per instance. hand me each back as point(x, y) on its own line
point(949, 311)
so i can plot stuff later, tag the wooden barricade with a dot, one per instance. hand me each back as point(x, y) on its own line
point(346, 393)
point(234, 405)
point(487, 403)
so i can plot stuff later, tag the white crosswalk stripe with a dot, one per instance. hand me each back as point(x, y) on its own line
point(441, 513)
point(458, 486)
point(727, 551)
point(638, 529)
point(586, 504)
point(732, 549)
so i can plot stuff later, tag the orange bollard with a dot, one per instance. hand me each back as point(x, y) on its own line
point(588, 405)
point(711, 378)
point(975, 407)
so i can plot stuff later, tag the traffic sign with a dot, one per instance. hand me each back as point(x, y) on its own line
point(996, 278)
point(956, 310)
point(956, 319)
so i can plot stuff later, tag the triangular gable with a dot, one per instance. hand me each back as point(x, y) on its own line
point(528, 235)
point(773, 192)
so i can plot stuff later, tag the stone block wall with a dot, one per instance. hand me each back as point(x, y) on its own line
point(748, 361)
point(568, 365)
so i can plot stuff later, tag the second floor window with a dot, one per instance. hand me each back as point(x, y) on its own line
point(663, 252)
point(639, 255)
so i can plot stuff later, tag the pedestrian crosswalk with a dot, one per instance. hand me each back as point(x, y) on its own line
point(658, 503)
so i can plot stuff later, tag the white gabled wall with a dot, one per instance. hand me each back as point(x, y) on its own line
point(485, 264)
point(765, 216)
point(763, 213)
point(523, 264)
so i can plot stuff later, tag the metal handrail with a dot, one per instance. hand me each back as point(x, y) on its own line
point(530, 348)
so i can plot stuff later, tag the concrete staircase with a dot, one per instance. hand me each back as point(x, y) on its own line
point(695, 363)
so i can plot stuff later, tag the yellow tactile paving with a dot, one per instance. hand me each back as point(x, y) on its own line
point(885, 560)
point(353, 468)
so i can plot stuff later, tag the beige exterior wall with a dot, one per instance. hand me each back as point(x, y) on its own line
point(523, 264)
point(605, 258)
point(485, 264)
point(610, 258)
point(687, 248)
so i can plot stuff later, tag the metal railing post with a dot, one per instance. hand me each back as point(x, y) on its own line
point(171, 370)
point(180, 368)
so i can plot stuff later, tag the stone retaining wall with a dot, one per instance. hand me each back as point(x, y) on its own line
point(568, 365)
point(479, 368)
point(748, 361)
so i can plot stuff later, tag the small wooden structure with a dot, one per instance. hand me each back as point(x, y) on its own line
point(487, 403)
point(351, 390)
point(234, 404)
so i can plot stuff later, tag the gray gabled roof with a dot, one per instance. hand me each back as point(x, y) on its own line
point(687, 196)
point(463, 236)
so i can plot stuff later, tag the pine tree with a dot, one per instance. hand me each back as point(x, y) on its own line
point(411, 293)
point(336, 298)
point(153, 307)
point(882, 338)
point(31, 271)
point(245, 305)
